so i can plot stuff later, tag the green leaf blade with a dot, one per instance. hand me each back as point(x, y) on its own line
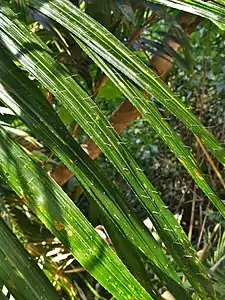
point(60, 215)
point(32, 107)
point(19, 273)
point(154, 118)
point(106, 45)
point(96, 125)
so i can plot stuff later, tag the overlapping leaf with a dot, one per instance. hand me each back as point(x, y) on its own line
point(107, 46)
point(20, 274)
point(213, 10)
point(155, 119)
point(54, 208)
point(34, 57)
point(125, 232)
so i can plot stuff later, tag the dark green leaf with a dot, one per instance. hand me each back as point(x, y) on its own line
point(19, 272)
point(54, 208)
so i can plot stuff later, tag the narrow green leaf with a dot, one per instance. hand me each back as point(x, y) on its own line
point(37, 113)
point(35, 58)
point(54, 208)
point(154, 118)
point(177, 31)
point(109, 47)
point(20, 274)
point(210, 9)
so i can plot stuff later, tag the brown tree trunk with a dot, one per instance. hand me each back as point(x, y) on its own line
point(126, 112)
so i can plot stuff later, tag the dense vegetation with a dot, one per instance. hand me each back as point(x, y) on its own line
point(112, 149)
